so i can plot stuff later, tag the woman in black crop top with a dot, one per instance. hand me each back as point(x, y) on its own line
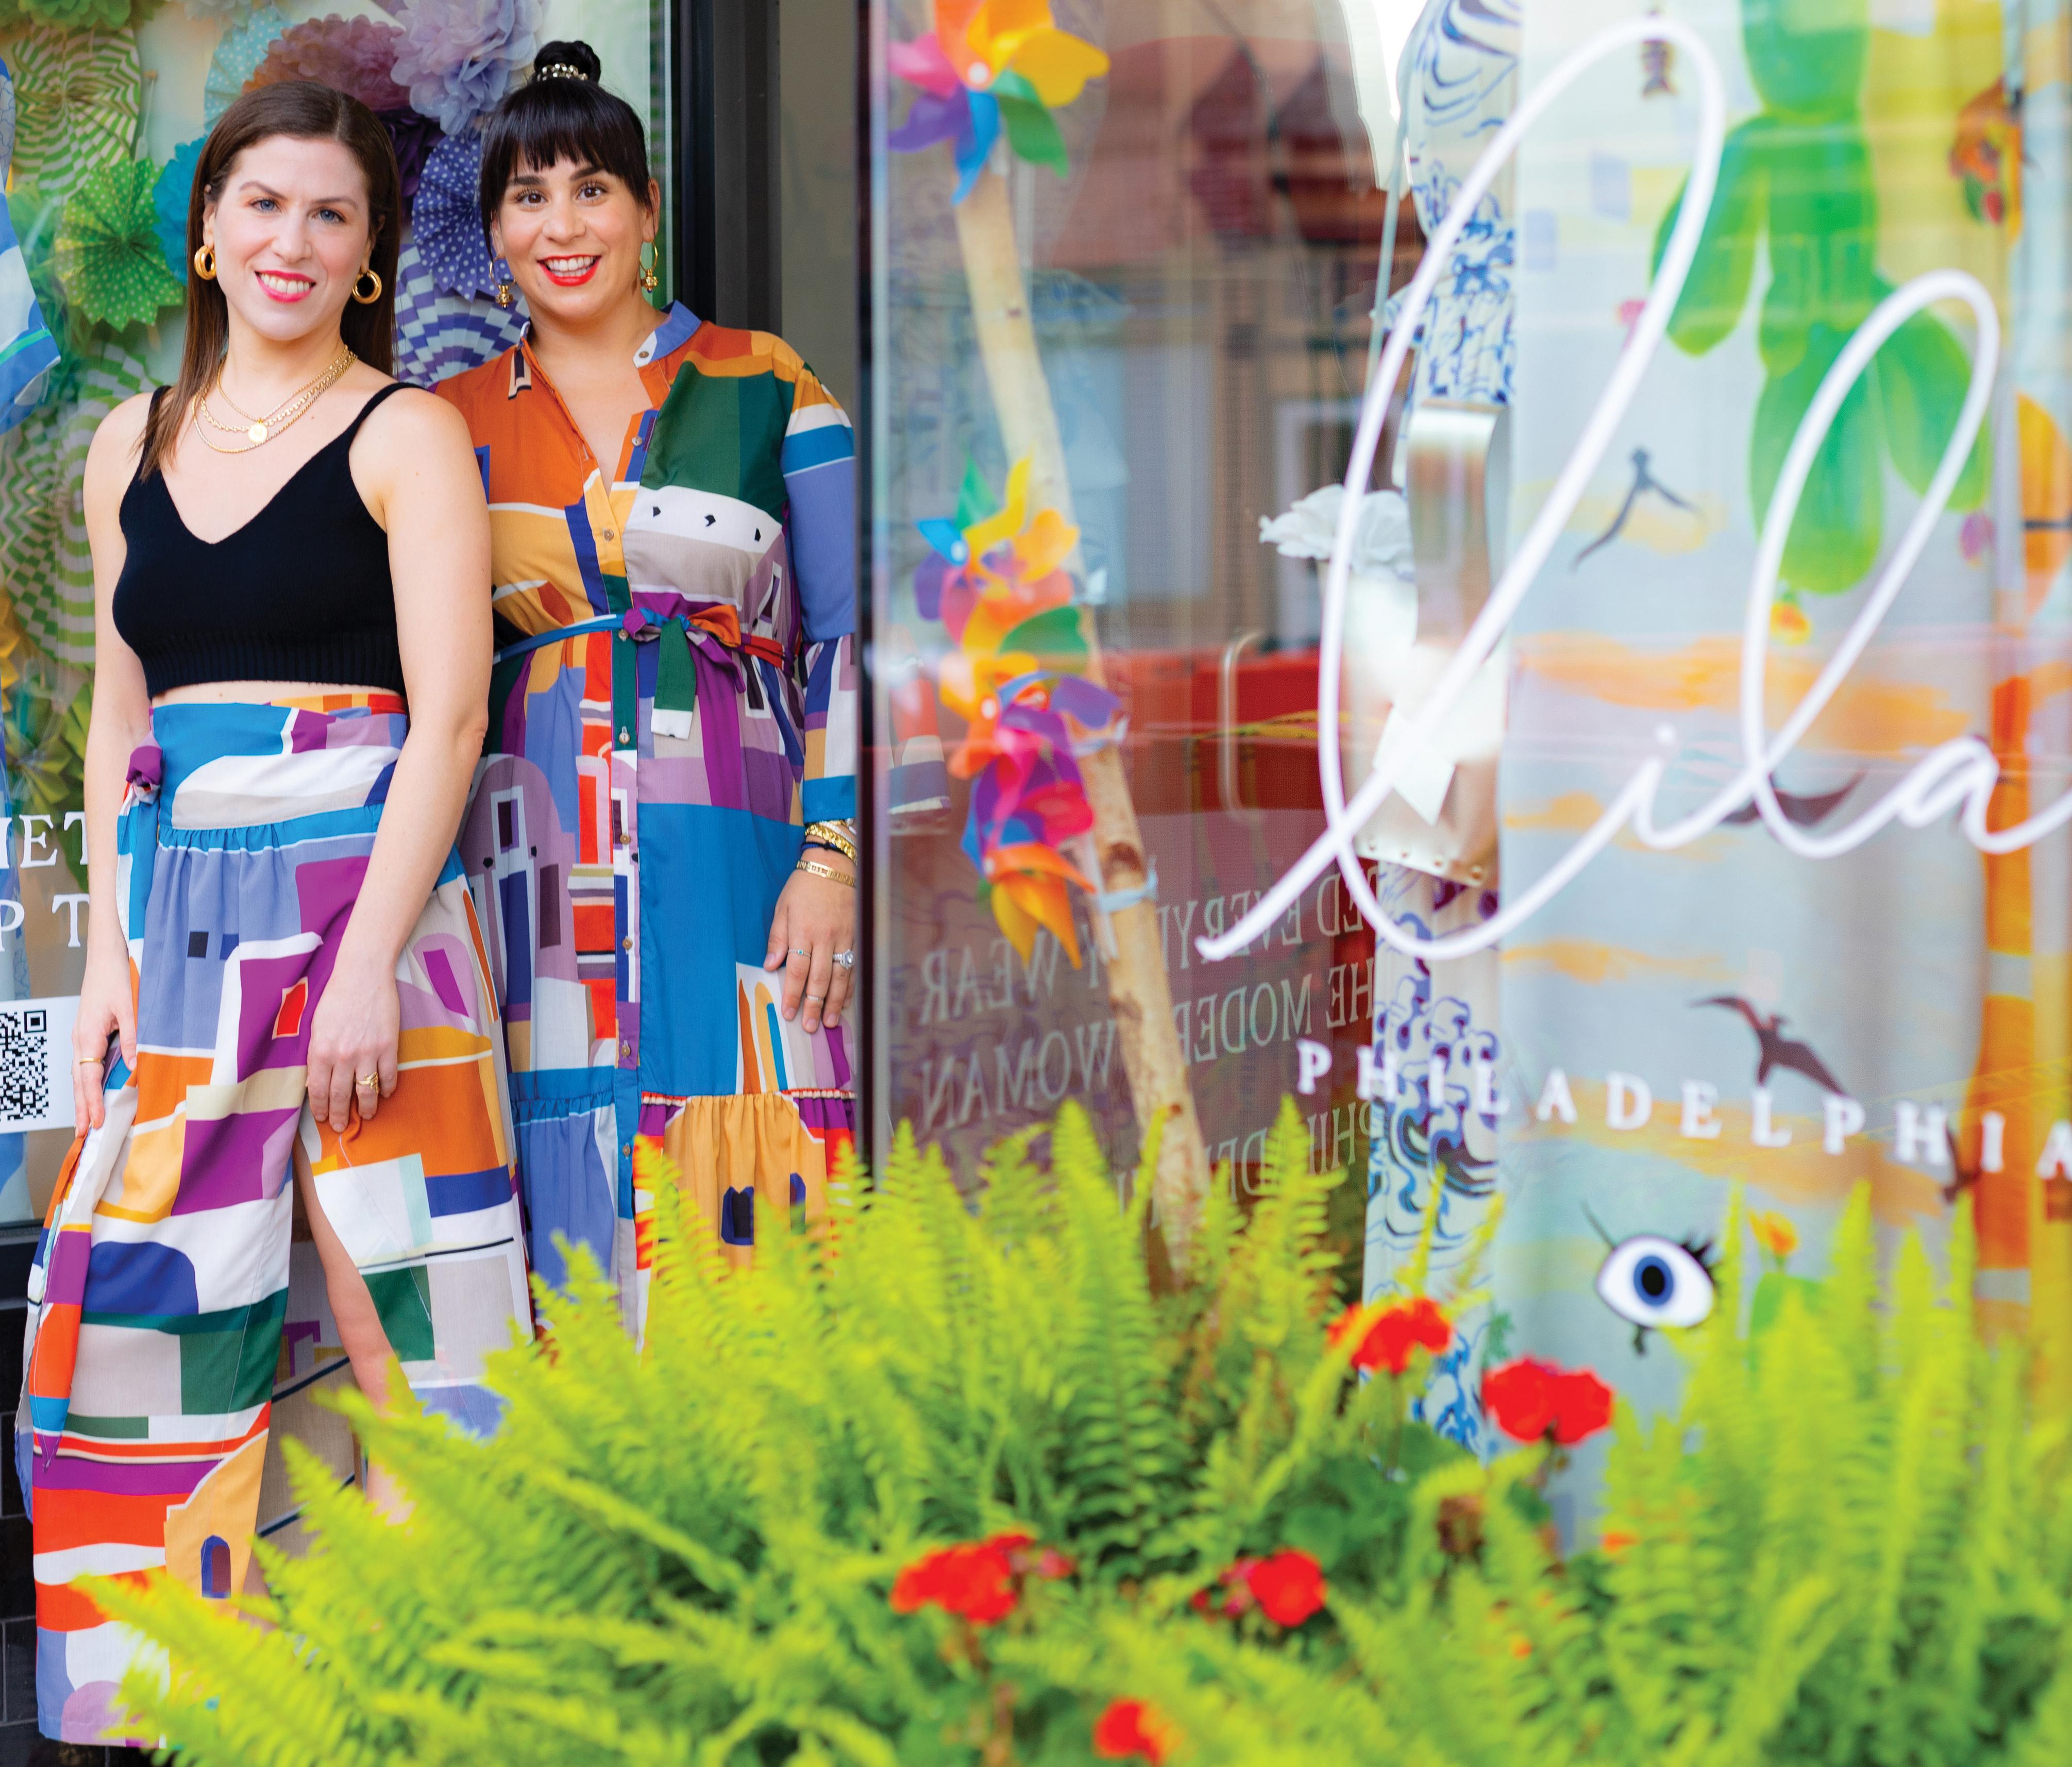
point(283, 958)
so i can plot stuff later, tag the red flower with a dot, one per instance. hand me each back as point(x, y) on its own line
point(1534, 1401)
point(976, 1582)
point(1582, 1406)
point(1401, 1328)
point(1131, 1730)
point(1290, 1586)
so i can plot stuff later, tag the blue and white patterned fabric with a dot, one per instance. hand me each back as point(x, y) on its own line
point(27, 349)
point(1463, 82)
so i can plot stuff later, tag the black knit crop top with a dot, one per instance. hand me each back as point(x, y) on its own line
point(300, 593)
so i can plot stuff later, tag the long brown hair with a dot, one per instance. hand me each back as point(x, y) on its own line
point(304, 111)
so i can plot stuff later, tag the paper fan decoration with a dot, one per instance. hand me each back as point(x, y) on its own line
point(6, 120)
point(76, 99)
point(441, 335)
point(446, 222)
point(169, 197)
point(239, 51)
point(108, 254)
point(43, 553)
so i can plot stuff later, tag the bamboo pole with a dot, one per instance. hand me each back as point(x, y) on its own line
point(1139, 994)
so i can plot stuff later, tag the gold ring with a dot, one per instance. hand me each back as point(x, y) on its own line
point(373, 1080)
point(89, 1061)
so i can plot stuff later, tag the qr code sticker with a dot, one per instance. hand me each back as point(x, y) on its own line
point(25, 1066)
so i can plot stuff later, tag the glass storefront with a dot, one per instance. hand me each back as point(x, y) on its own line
point(1104, 283)
point(101, 124)
point(1108, 344)
point(1123, 260)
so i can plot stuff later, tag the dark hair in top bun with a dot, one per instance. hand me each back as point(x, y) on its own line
point(562, 113)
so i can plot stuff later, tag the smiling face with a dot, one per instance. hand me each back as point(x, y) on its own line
point(290, 228)
point(573, 236)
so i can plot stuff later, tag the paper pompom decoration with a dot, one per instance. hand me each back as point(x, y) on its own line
point(89, 14)
point(413, 137)
point(108, 256)
point(77, 96)
point(169, 197)
point(354, 55)
point(446, 222)
point(459, 57)
point(239, 51)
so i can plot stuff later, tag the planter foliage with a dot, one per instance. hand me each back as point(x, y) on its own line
point(946, 1485)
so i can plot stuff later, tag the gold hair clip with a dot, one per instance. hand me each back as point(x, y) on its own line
point(559, 70)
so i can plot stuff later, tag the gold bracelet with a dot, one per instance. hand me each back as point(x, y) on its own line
point(814, 870)
point(833, 836)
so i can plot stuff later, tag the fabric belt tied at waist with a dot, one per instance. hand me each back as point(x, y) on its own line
point(715, 631)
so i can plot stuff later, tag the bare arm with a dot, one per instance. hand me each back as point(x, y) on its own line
point(416, 466)
point(122, 720)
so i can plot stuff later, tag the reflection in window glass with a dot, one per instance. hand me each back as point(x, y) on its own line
point(1122, 318)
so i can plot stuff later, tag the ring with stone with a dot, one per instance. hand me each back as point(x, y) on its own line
point(800, 951)
point(846, 958)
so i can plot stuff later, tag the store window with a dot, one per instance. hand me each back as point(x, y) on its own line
point(101, 121)
point(1124, 258)
point(1125, 263)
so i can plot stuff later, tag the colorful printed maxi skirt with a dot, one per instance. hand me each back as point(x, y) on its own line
point(169, 1314)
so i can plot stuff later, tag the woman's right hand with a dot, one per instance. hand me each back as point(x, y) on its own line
point(106, 1005)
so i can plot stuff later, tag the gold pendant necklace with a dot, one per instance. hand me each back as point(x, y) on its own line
point(260, 430)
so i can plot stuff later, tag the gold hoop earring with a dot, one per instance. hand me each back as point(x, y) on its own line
point(649, 281)
point(204, 262)
point(372, 294)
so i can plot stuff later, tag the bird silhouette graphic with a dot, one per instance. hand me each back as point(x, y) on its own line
point(1966, 1175)
point(1643, 480)
point(1775, 1051)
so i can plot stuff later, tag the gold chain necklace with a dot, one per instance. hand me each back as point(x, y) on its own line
point(260, 430)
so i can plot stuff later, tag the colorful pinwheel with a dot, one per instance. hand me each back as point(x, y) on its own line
point(997, 583)
point(1001, 66)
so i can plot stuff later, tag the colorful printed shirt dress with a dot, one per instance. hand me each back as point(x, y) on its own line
point(171, 1318)
point(675, 697)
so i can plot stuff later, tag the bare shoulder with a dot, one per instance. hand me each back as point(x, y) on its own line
point(415, 419)
point(111, 457)
point(119, 435)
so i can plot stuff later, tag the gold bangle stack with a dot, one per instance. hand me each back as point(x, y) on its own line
point(814, 869)
point(837, 837)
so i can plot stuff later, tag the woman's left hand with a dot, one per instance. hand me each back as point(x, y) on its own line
point(815, 917)
point(352, 1037)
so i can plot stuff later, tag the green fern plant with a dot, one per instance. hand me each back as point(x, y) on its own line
point(1849, 1547)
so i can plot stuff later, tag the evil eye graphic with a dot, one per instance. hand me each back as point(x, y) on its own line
point(1650, 1282)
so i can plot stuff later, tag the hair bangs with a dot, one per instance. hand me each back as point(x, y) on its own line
point(553, 119)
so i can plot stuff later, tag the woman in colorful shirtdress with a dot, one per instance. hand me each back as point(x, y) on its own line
point(284, 972)
point(672, 717)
